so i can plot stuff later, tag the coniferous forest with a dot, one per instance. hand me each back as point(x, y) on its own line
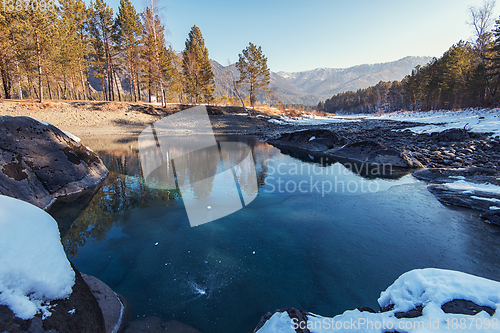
point(52, 50)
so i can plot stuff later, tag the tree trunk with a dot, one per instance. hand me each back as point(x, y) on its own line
point(48, 85)
point(5, 80)
point(83, 82)
point(39, 61)
point(117, 87)
point(19, 81)
point(138, 85)
point(131, 75)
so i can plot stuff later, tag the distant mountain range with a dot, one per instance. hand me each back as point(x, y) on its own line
point(310, 87)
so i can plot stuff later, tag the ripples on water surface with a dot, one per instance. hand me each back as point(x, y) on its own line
point(323, 254)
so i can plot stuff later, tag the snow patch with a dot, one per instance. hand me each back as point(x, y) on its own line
point(476, 120)
point(469, 187)
point(485, 199)
point(34, 269)
point(276, 121)
point(430, 288)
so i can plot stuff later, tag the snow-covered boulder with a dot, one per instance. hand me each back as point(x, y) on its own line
point(422, 300)
point(39, 289)
point(40, 163)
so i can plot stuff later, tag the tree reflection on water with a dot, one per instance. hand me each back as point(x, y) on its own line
point(125, 189)
point(112, 204)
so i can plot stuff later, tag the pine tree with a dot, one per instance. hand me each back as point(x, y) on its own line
point(153, 48)
point(197, 70)
point(37, 28)
point(127, 31)
point(100, 29)
point(254, 72)
point(74, 41)
point(171, 76)
point(7, 48)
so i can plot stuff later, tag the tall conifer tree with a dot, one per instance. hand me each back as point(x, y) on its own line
point(254, 72)
point(198, 76)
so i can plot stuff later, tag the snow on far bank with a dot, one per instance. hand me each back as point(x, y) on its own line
point(429, 288)
point(33, 266)
point(309, 119)
point(477, 120)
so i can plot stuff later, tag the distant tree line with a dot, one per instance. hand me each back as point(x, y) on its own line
point(52, 50)
point(467, 75)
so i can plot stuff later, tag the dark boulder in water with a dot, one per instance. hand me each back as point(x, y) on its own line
point(372, 152)
point(310, 140)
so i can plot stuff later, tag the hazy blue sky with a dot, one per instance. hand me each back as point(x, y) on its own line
point(301, 35)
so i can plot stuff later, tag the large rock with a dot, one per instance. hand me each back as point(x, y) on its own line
point(116, 309)
point(371, 152)
point(453, 134)
point(80, 312)
point(310, 140)
point(40, 163)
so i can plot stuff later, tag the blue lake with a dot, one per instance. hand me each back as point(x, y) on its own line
point(291, 247)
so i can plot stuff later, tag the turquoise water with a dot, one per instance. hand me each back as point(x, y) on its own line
point(320, 252)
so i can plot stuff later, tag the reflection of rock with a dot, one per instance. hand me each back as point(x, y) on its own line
point(156, 325)
point(39, 163)
point(78, 313)
point(372, 152)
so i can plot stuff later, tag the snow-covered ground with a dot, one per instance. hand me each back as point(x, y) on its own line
point(477, 120)
point(33, 266)
point(429, 288)
point(309, 119)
